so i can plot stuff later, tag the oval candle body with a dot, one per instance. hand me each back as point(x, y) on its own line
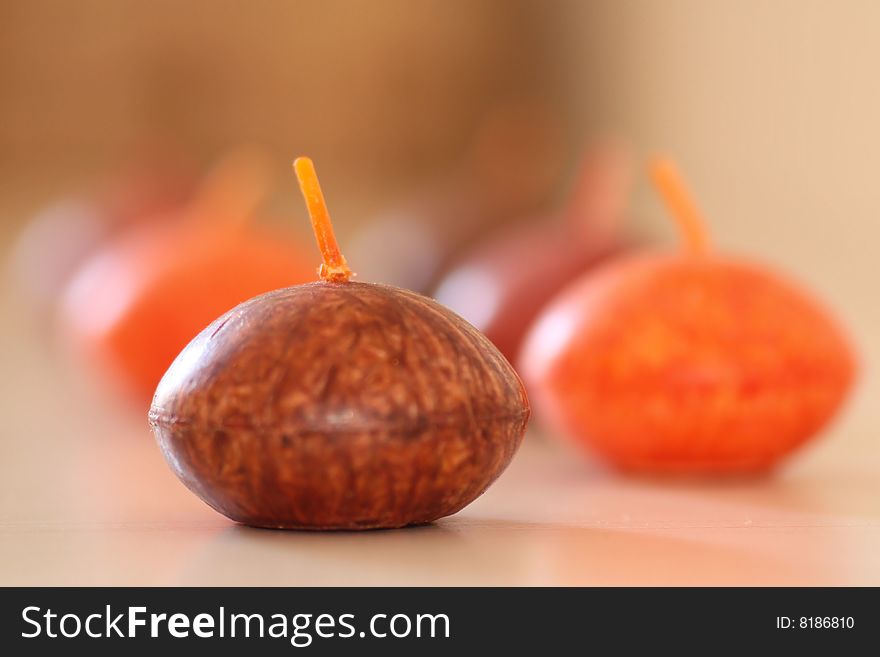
point(503, 283)
point(502, 286)
point(689, 362)
point(136, 304)
point(339, 406)
point(669, 363)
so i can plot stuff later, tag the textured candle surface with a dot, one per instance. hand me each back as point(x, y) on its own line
point(339, 405)
point(688, 364)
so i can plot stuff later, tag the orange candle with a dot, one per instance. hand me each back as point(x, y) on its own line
point(138, 302)
point(690, 361)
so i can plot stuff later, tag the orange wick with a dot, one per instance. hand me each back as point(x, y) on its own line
point(334, 268)
point(598, 200)
point(233, 188)
point(678, 200)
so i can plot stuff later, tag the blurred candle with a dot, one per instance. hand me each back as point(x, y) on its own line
point(509, 167)
point(690, 361)
point(142, 298)
point(60, 237)
point(501, 285)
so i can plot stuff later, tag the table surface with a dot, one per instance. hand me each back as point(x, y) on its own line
point(86, 499)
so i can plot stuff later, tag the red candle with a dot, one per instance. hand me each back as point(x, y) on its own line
point(138, 302)
point(690, 362)
point(507, 169)
point(502, 284)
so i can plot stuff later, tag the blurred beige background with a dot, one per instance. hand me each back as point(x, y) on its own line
point(771, 108)
point(379, 94)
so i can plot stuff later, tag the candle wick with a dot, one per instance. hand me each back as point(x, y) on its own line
point(600, 192)
point(334, 267)
point(681, 206)
point(233, 188)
